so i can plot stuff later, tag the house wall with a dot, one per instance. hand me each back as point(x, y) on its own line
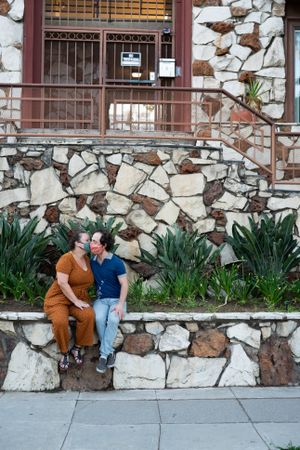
point(11, 41)
point(230, 39)
point(233, 40)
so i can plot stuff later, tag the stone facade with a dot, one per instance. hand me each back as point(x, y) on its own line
point(235, 40)
point(157, 351)
point(231, 39)
point(146, 189)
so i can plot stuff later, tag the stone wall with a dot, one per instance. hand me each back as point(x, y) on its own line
point(157, 351)
point(147, 189)
point(234, 40)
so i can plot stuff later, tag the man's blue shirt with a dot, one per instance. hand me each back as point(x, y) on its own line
point(106, 276)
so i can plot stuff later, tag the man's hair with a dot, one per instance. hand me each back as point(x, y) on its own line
point(107, 239)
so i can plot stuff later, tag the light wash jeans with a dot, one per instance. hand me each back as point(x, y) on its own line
point(107, 322)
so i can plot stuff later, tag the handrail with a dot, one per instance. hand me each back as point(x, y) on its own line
point(146, 112)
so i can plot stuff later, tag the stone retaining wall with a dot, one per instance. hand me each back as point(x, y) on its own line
point(146, 188)
point(157, 351)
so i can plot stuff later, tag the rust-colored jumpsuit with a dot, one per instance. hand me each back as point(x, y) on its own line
point(58, 307)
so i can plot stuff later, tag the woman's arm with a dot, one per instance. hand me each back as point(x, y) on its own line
point(63, 282)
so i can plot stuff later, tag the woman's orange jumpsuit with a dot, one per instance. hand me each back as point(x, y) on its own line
point(58, 307)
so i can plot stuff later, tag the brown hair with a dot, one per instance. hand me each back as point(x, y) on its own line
point(75, 236)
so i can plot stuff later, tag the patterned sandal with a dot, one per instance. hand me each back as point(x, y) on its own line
point(64, 363)
point(76, 353)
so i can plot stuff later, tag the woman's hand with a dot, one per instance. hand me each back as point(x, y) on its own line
point(81, 304)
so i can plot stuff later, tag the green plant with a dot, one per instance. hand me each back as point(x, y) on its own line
point(243, 289)
point(180, 252)
point(222, 282)
point(253, 94)
point(294, 289)
point(202, 286)
point(21, 253)
point(183, 289)
point(61, 231)
point(289, 447)
point(267, 247)
point(136, 295)
point(272, 287)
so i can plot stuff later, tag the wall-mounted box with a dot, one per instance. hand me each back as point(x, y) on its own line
point(166, 68)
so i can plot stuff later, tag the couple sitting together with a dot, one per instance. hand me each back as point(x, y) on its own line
point(68, 295)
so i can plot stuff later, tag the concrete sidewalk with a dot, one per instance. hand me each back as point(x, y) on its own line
point(185, 419)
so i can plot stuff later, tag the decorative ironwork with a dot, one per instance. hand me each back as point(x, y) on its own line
point(70, 36)
point(129, 37)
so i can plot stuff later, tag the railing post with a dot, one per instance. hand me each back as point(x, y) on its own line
point(273, 154)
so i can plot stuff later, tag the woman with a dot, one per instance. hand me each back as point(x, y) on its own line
point(68, 295)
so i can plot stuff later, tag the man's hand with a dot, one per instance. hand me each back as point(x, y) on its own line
point(118, 309)
point(81, 304)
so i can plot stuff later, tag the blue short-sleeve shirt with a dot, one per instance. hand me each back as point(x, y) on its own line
point(106, 276)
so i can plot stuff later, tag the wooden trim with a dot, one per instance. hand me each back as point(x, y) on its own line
point(183, 41)
point(32, 57)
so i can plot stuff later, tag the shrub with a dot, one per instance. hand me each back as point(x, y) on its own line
point(21, 253)
point(267, 247)
point(180, 252)
point(61, 232)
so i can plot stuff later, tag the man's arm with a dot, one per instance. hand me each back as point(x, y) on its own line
point(119, 308)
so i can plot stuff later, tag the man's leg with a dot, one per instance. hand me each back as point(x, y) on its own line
point(111, 329)
point(101, 309)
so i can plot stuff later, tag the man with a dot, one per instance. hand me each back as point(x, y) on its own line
point(112, 287)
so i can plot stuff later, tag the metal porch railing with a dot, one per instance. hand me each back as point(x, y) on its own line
point(147, 112)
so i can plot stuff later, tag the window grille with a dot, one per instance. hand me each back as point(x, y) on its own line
point(107, 11)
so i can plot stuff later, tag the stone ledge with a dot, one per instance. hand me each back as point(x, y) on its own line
point(168, 317)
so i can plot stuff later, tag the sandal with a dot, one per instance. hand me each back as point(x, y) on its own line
point(64, 363)
point(76, 353)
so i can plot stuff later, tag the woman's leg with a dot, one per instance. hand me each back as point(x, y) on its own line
point(85, 323)
point(59, 315)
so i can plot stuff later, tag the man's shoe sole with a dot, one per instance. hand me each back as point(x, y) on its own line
point(110, 366)
point(100, 370)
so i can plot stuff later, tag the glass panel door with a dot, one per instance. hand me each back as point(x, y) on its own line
point(297, 75)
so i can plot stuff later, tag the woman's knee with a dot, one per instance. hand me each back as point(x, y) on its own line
point(60, 322)
point(89, 315)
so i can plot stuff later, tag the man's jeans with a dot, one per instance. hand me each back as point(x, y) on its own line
point(107, 322)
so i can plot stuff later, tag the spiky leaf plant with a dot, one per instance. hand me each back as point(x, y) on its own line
point(21, 253)
point(267, 247)
point(179, 252)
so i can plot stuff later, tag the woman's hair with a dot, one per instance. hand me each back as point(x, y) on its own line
point(75, 236)
point(107, 239)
